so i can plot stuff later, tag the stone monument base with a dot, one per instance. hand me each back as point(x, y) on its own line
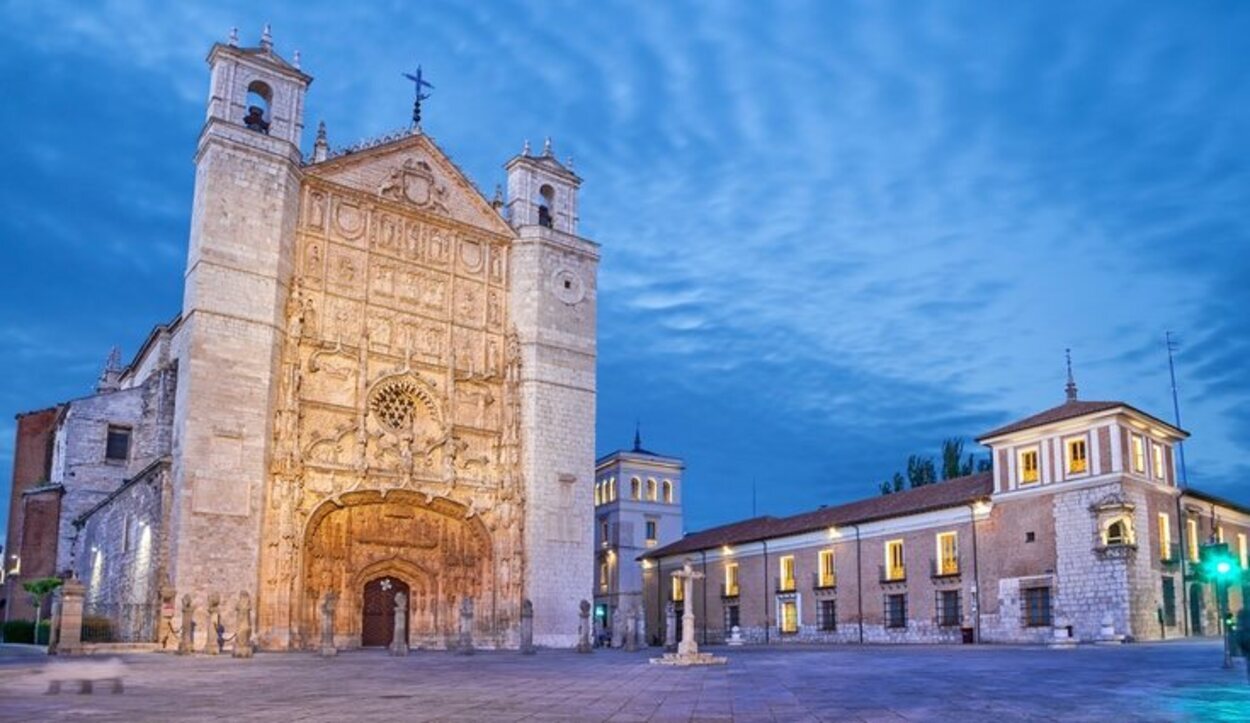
point(690, 659)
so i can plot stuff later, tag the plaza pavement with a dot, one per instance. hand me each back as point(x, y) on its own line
point(1168, 681)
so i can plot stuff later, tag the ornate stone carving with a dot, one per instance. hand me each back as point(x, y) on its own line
point(414, 182)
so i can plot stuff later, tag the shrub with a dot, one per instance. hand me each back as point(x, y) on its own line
point(44, 631)
point(18, 631)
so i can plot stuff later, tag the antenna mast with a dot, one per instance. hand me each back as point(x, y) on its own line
point(1176, 407)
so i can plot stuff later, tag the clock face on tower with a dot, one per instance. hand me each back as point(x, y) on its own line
point(567, 285)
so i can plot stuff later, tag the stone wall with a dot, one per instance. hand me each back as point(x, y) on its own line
point(123, 554)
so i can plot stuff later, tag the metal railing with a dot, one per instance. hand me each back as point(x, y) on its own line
point(118, 623)
point(892, 574)
point(824, 582)
point(944, 568)
point(784, 584)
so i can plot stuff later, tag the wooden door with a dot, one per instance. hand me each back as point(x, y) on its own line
point(378, 626)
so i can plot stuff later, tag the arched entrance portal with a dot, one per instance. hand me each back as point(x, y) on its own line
point(429, 549)
point(377, 627)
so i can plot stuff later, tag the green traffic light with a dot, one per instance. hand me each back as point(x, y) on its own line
point(1222, 567)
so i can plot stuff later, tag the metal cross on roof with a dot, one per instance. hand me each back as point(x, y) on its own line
point(419, 83)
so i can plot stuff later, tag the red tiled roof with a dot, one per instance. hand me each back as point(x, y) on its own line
point(1069, 410)
point(951, 493)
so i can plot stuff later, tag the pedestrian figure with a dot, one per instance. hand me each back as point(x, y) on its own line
point(1243, 635)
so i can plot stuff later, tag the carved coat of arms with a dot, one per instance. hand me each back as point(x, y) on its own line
point(415, 183)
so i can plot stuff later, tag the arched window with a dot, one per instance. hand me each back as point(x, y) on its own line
point(651, 490)
point(1118, 531)
point(598, 493)
point(611, 489)
point(259, 100)
point(546, 202)
point(668, 492)
point(635, 489)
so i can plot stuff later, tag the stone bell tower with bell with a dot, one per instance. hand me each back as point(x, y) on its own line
point(553, 274)
point(239, 264)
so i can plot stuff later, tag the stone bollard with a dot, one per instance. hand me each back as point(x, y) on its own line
point(735, 636)
point(631, 631)
point(465, 645)
point(69, 619)
point(212, 642)
point(670, 626)
point(327, 625)
point(1107, 634)
point(527, 627)
point(243, 626)
point(168, 637)
point(185, 643)
point(583, 628)
point(399, 639)
point(1062, 639)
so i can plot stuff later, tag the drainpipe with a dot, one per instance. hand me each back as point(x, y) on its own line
point(703, 553)
point(859, 583)
point(767, 626)
point(976, 577)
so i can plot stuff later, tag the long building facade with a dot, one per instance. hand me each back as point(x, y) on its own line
point(1080, 530)
point(379, 381)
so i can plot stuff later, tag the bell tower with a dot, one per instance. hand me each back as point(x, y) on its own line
point(553, 279)
point(239, 262)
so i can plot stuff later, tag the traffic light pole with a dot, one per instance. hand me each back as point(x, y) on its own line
point(1221, 594)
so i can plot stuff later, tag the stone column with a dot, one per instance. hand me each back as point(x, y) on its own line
point(188, 626)
point(527, 627)
point(243, 626)
point(327, 625)
point(688, 645)
point(465, 644)
point(583, 628)
point(69, 629)
point(399, 640)
point(212, 641)
point(670, 625)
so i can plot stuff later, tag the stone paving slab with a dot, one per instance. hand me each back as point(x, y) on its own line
point(1163, 682)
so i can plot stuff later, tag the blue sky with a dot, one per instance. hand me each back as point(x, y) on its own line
point(833, 233)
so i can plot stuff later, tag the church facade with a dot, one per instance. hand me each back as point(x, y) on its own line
point(379, 381)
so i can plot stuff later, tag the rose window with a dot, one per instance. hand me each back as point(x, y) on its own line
point(395, 405)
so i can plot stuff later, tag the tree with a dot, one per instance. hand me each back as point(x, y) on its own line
point(38, 589)
point(894, 484)
point(920, 471)
point(952, 458)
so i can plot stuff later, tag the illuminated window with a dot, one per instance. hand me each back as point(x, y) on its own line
point(603, 531)
point(610, 494)
point(1191, 539)
point(1077, 456)
point(668, 492)
point(1156, 451)
point(1139, 453)
point(651, 497)
point(1219, 535)
point(1165, 537)
point(598, 493)
point(603, 575)
point(731, 579)
point(894, 567)
point(1243, 552)
point(1027, 461)
point(785, 583)
point(635, 489)
point(788, 616)
point(651, 536)
point(678, 593)
point(826, 578)
point(948, 553)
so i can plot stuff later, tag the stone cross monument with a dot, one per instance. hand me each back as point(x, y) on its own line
point(399, 641)
point(243, 625)
point(527, 627)
point(631, 630)
point(327, 625)
point(687, 575)
point(670, 626)
point(688, 649)
point(168, 637)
